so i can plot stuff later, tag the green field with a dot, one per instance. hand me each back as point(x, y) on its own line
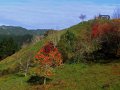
point(71, 77)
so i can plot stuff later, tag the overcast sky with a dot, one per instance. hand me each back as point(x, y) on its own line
point(52, 14)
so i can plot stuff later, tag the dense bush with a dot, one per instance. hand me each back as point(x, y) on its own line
point(107, 36)
point(66, 46)
point(100, 42)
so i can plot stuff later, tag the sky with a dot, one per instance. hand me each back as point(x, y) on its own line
point(52, 14)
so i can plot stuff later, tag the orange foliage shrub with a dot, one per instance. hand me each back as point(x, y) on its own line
point(49, 56)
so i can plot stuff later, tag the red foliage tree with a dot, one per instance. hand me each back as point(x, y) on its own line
point(49, 56)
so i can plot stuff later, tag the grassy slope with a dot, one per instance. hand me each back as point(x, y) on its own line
point(13, 82)
point(68, 77)
point(84, 77)
point(72, 77)
point(12, 61)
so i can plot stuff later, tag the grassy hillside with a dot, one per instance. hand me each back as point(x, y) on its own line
point(68, 76)
point(71, 77)
point(12, 61)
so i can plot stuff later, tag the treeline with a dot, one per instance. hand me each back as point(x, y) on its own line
point(9, 44)
point(12, 38)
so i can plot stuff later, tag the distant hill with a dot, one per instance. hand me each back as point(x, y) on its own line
point(15, 30)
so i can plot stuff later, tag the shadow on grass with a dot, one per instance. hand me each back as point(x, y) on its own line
point(38, 80)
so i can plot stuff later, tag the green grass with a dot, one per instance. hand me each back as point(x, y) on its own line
point(87, 77)
point(72, 77)
point(13, 82)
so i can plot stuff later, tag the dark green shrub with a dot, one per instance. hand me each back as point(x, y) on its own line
point(38, 80)
point(66, 45)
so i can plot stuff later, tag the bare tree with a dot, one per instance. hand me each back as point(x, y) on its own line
point(24, 67)
point(116, 13)
point(82, 17)
point(27, 63)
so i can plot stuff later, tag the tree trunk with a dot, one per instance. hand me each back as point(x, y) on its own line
point(45, 81)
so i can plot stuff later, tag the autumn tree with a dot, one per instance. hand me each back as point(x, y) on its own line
point(48, 57)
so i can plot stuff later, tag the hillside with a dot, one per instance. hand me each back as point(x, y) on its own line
point(81, 76)
point(12, 61)
point(77, 29)
point(13, 38)
point(15, 30)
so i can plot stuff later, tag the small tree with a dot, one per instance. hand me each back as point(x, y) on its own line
point(48, 57)
point(116, 14)
point(25, 65)
point(82, 17)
